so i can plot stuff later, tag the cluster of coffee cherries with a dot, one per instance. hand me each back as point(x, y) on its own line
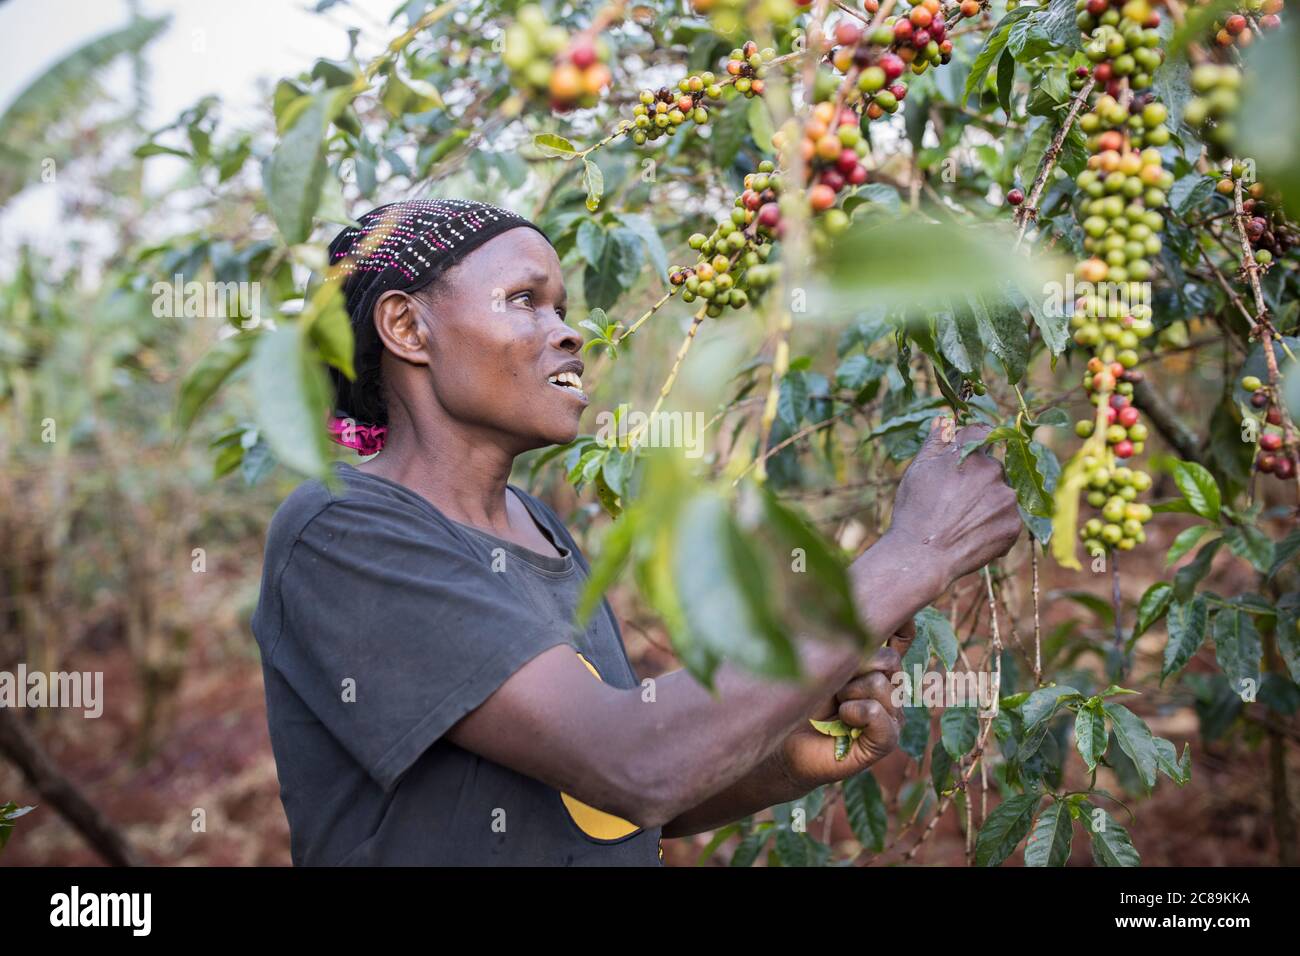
point(879, 68)
point(546, 62)
point(659, 113)
point(1122, 40)
point(1268, 231)
point(1216, 98)
point(1123, 190)
point(919, 38)
point(747, 64)
point(1235, 29)
point(832, 147)
point(1112, 486)
point(733, 258)
point(1274, 457)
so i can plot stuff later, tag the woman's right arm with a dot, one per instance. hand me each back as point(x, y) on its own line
point(650, 761)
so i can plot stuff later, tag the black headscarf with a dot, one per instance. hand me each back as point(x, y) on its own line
point(403, 246)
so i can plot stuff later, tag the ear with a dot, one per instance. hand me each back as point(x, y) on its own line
point(398, 324)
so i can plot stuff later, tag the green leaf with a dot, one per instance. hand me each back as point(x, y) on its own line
point(620, 265)
point(1043, 703)
point(1111, 844)
point(590, 239)
point(1058, 20)
point(1004, 333)
point(1135, 739)
point(549, 144)
point(720, 836)
point(959, 728)
point(760, 123)
point(959, 340)
point(832, 728)
point(1006, 79)
point(979, 261)
point(1269, 126)
point(1251, 545)
point(1186, 626)
point(209, 373)
point(1177, 769)
point(823, 563)
point(1006, 826)
point(866, 810)
point(991, 50)
point(8, 814)
point(1287, 633)
point(800, 849)
point(1187, 577)
point(1198, 487)
point(612, 557)
point(925, 411)
point(157, 149)
point(1050, 469)
point(723, 592)
point(1237, 647)
point(1152, 607)
point(331, 331)
point(1025, 480)
point(1090, 737)
point(915, 735)
point(727, 133)
point(933, 629)
point(296, 170)
point(1283, 552)
point(402, 96)
point(1029, 39)
point(291, 397)
point(594, 182)
point(1185, 541)
point(654, 246)
point(1049, 843)
point(752, 845)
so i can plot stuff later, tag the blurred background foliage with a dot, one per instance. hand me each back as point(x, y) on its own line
point(144, 450)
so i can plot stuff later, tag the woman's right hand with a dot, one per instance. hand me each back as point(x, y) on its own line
point(958, 514)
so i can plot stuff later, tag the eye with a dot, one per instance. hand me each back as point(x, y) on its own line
point(525, 297)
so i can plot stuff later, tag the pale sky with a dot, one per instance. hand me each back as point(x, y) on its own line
point(220, 47)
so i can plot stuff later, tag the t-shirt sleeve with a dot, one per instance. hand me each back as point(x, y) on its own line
point(390, 633)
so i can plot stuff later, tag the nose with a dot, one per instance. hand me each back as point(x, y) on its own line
point(563, 337)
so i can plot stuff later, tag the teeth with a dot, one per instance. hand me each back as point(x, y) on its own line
point(567, 378)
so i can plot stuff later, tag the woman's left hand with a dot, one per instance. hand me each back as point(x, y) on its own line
point(865, 703)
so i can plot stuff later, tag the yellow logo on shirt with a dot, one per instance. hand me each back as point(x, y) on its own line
point(596, 824)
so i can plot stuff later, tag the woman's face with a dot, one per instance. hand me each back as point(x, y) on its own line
point(500, 354)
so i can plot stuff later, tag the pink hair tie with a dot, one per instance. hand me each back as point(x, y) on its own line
point(365, 439)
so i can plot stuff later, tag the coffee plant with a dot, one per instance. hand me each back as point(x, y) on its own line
point(821, 225)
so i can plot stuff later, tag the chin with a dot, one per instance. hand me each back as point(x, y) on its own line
point(555, 432)
point(564, 434)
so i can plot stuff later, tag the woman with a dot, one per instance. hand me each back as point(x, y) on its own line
point(430, 699)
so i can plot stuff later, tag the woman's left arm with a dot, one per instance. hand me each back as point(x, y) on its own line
point(805, 759)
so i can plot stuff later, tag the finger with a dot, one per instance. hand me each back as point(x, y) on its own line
point(939, 441)
point(885, 662)
point(976, 431)
point(902, 639)
point(863, 690)
point(879, 728)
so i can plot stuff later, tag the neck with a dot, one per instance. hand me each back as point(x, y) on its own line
point(463, 470)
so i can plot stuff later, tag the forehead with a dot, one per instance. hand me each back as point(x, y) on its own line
point(517, 252)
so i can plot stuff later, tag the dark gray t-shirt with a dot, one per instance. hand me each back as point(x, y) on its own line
point(381, 623)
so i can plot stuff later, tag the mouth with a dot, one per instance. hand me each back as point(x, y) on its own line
point(570, 381)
